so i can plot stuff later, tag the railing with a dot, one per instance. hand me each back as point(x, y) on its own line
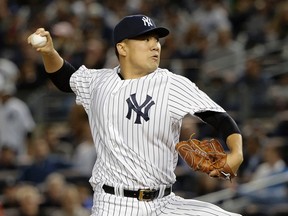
point(227, 196)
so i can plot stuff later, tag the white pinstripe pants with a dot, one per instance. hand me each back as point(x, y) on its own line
point(111, 205)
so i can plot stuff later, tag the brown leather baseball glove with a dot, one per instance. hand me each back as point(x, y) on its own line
point(205, 156)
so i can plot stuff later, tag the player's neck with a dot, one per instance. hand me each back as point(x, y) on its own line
point(131, 74)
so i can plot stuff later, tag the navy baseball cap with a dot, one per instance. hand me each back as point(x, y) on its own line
point(136, 25)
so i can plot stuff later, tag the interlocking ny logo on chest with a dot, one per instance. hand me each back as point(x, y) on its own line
point(141, 110)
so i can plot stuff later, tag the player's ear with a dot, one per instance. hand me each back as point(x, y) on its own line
point(121, 48)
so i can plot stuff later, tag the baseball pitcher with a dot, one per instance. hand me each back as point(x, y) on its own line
point(135, 112)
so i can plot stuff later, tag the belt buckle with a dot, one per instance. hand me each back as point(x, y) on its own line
point(141, 196)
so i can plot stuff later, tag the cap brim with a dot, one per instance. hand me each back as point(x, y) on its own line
point(160, 31)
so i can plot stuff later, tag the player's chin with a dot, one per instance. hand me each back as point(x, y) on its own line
point(152, 69)
point(154, 65)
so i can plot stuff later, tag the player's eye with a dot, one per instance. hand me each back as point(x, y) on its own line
point(152, 38)
point(147, 38)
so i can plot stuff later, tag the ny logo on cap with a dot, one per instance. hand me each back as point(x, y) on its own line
point(147, 21)
point(133, 105)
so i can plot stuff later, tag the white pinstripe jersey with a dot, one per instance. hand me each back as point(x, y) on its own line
point(136, 123)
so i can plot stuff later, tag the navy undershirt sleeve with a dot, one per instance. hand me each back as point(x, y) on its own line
point(61, 78)
point(221, 121)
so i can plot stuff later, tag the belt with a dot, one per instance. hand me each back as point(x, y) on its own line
point(141, 194)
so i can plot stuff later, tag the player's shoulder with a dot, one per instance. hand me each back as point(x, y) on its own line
point(91, 73)
point(173, 77)
point(96, 71)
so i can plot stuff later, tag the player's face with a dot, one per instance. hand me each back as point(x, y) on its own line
point(143, 53)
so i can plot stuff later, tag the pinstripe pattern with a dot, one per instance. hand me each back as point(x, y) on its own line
point(136, 149)
point(172, 205)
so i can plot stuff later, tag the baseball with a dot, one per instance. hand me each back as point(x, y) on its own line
point(38, 40)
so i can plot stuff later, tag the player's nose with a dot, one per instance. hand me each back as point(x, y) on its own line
point(155, 45)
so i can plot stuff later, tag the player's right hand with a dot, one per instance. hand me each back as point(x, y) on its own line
point(48, 47)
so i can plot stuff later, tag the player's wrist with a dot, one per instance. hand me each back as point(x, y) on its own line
point(234, 160)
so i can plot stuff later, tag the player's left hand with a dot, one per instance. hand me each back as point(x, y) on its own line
point(234, 161)
point(207, 156)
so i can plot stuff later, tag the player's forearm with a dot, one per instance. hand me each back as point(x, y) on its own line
point(52, 61)
point(234, 143)
point(235, 157)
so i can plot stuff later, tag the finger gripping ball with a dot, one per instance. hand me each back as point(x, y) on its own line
point(38, 40)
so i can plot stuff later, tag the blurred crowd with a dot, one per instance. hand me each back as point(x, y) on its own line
point(234, 50)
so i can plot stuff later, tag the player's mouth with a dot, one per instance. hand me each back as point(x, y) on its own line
point(155, 57)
